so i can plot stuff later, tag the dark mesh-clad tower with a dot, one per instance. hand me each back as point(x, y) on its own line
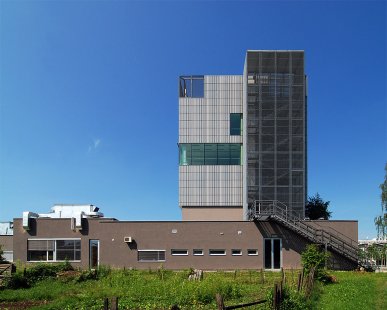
point(275, 128)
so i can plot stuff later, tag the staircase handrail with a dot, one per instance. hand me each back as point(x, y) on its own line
point(280, 210)
point(336, 232)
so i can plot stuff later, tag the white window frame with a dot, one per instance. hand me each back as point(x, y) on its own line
point(213, 254)
point(197, 254)
point(151, 261)
point(236, 254)
point(179, 254)
point(252, 254)
point(53, 260)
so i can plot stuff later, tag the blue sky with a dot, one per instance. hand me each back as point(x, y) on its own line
point(89, 107)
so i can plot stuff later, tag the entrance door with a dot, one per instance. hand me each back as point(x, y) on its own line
point(94, 254)
point(273, 253)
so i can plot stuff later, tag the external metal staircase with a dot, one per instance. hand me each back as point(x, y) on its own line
point(331, 238)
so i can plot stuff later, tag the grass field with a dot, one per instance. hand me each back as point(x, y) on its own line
point(161, 289)
point(146, 290)
point(354, 290)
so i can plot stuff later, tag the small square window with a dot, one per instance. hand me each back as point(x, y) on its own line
point(236, 252)
point(197, 252)
point(192, 86)
point(252, 252)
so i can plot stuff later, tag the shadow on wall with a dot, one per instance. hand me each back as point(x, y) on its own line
point(290, 240)
point(132, 245)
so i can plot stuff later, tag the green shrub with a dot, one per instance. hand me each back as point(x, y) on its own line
point(86, 275)
point(293, 300)
point(315, 258)
point(43, 271)
point(16, 281)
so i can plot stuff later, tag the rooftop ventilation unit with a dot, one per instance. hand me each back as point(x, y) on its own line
point(128, 239)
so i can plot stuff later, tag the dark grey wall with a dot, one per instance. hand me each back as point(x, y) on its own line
point(158, 235)
point(6, 241)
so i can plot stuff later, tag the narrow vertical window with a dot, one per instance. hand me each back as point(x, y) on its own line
point(236, 120)
point(184, 154)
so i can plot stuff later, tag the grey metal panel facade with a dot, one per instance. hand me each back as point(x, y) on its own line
point(207, 120)
point(211, 186)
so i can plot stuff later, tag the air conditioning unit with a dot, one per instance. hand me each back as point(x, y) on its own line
point(128, 239)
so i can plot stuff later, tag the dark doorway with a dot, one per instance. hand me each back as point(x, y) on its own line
point(273, 253)
point(94, 254)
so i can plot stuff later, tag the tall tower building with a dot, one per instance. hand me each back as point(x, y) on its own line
point(242, 139)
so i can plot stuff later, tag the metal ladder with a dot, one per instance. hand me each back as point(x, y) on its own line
point(331, 238)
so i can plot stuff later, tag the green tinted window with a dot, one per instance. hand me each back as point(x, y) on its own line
point(197, 150)
point(235, 154)
point(236, 124)
point(210, 154)
point(184, 154)
point(223, 154)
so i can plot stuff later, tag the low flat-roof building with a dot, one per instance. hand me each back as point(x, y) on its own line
point(176, 245)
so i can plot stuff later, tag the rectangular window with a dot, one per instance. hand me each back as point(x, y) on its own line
point(252, 252)
point(68, 249)
point(236, 252)
point(210, 154)
point(223, 153)
point(197, 155)
point(215, 252)
point(192, 86)
point(54, 250)
point(179, 252)
point(151, 255)
point(197, 252)
point(236, 124)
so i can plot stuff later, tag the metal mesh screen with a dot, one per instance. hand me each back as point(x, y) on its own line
point(276, 130)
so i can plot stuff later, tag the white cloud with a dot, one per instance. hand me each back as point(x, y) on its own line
point(94, 145)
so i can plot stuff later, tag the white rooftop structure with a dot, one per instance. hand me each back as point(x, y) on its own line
point(74, 211)
point(6, 228)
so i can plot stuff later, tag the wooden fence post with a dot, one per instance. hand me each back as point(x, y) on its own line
point(275, 297)
point(106, 304)
point(262, 277)
point(114, 304)
point(219, 302)
point(299, 284)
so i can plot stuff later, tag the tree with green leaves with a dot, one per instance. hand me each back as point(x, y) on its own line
point(317, 208)
point(381, 220)
point(383, 187)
